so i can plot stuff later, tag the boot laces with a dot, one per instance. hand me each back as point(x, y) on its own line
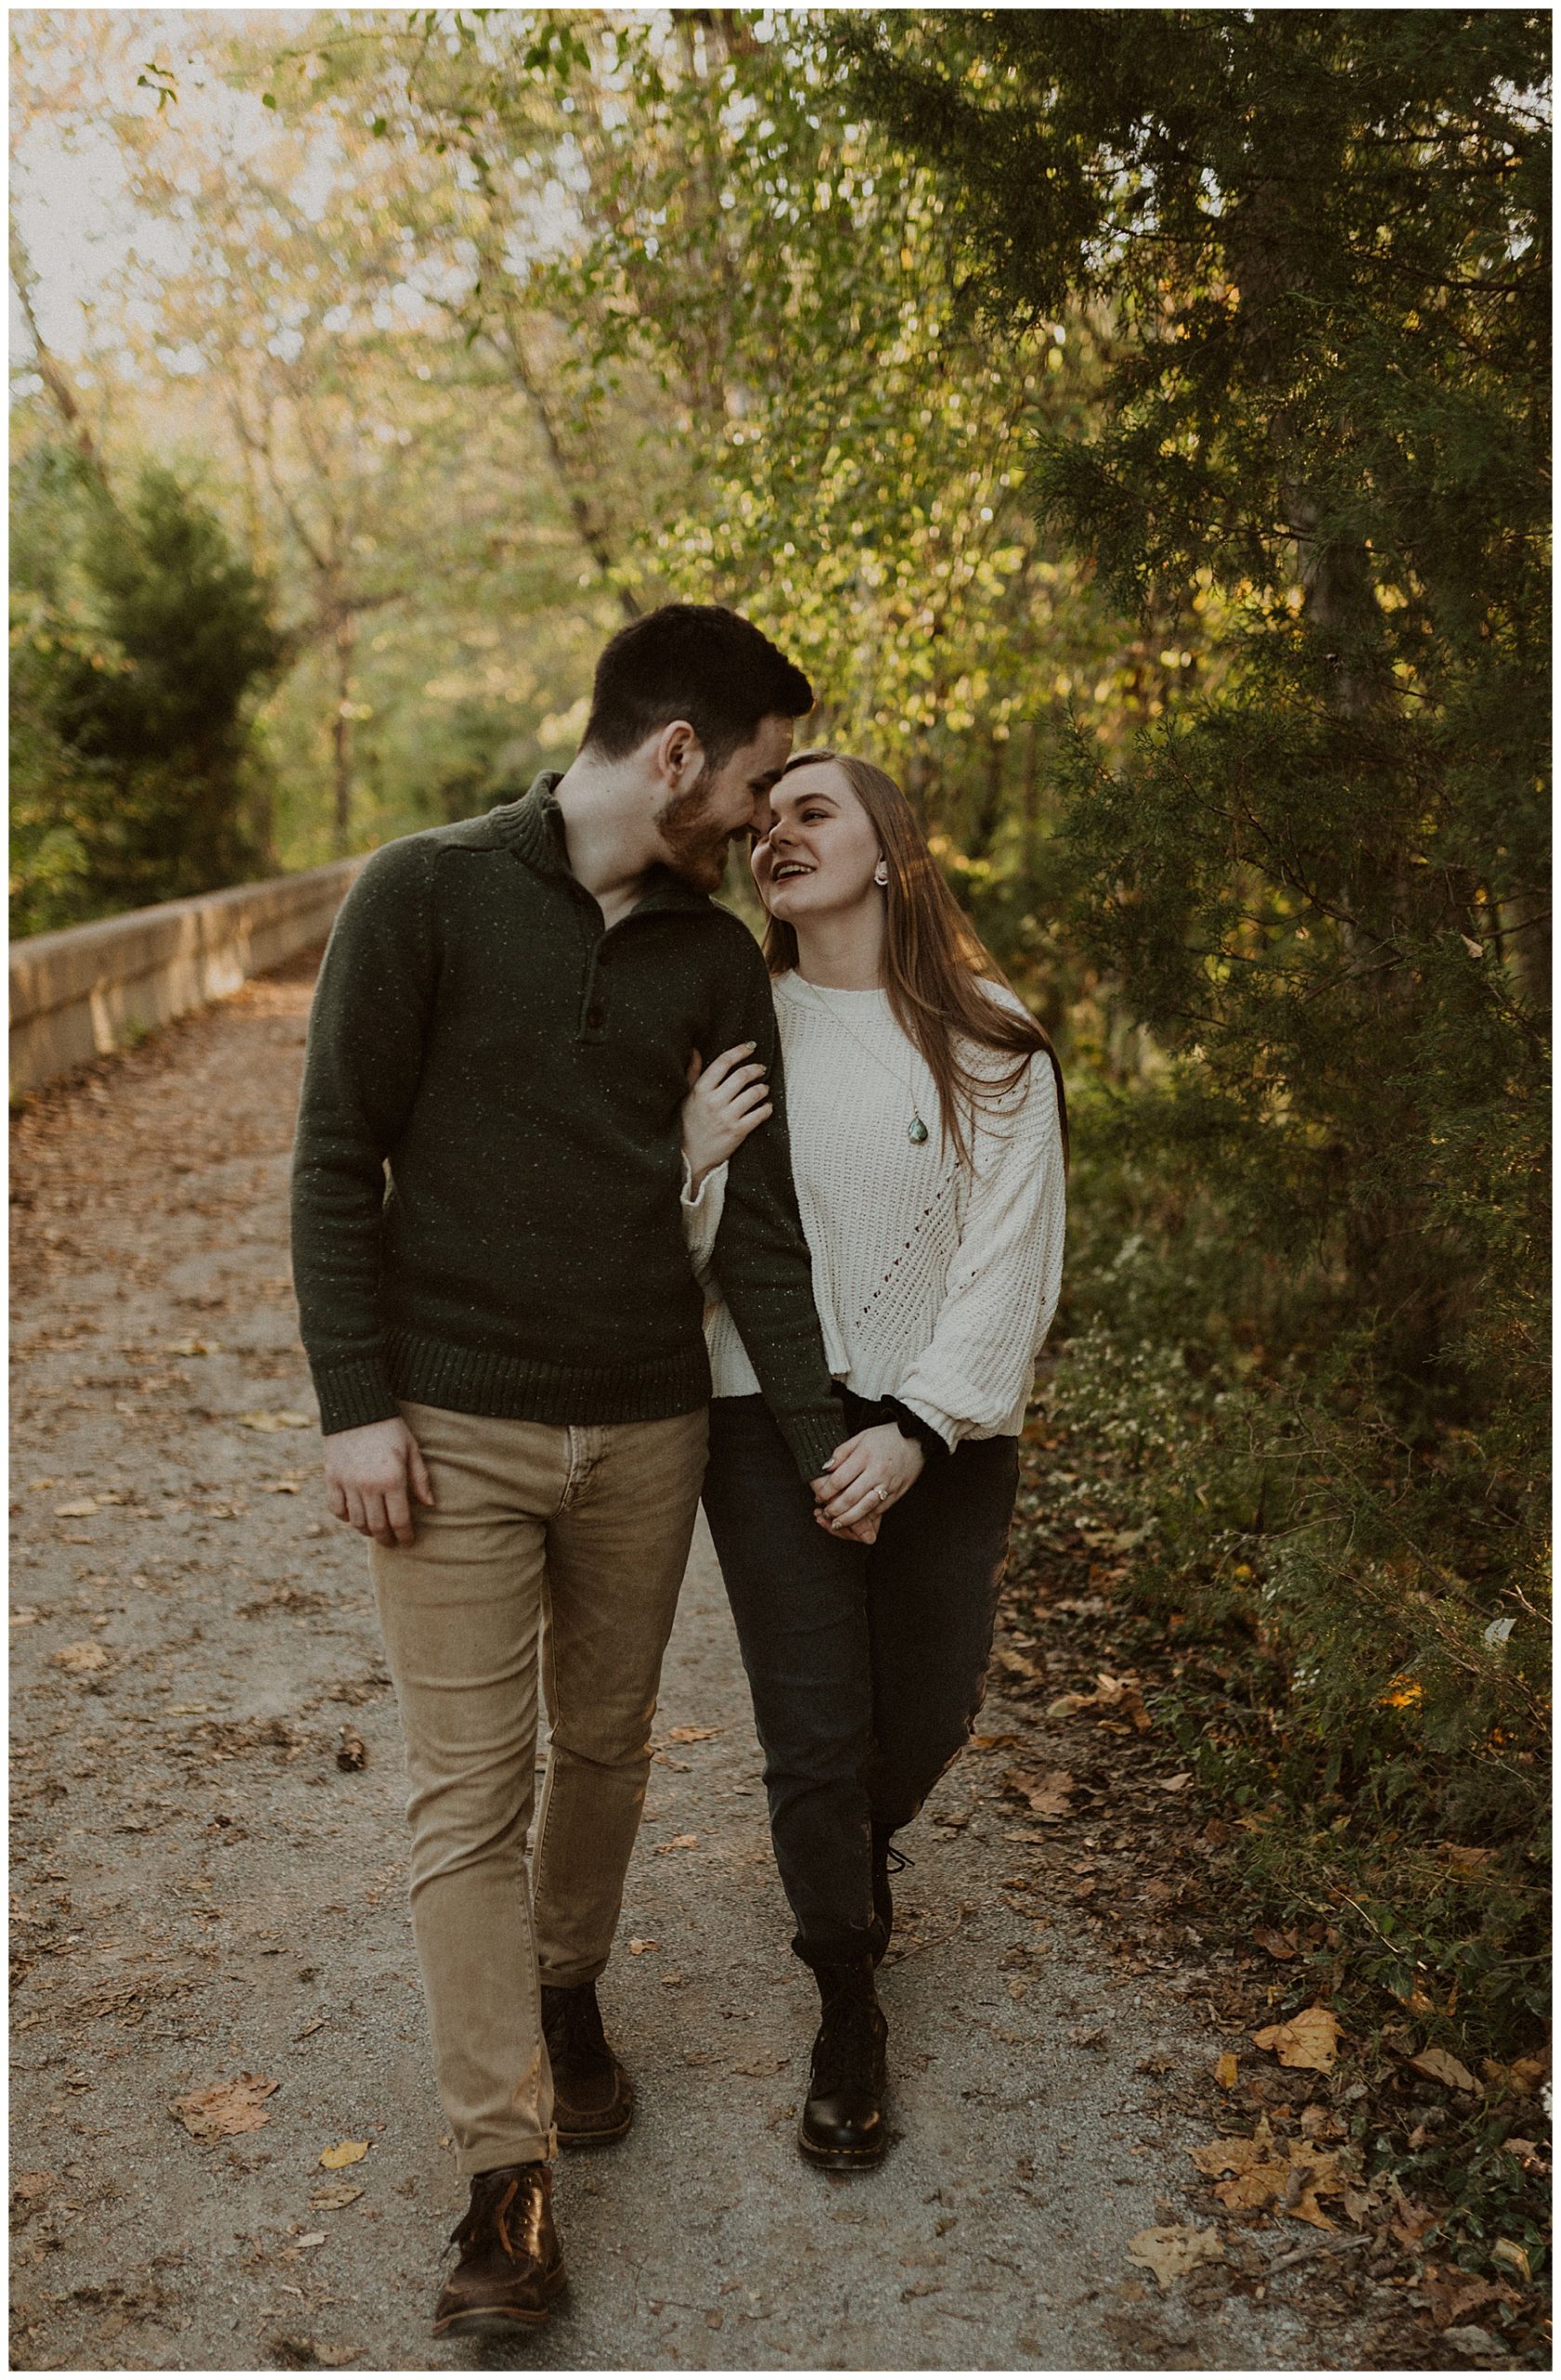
point(846, 2053)
point(493, 2205)
point(574, 2026)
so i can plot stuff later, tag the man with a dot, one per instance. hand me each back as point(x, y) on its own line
point(505, 1338)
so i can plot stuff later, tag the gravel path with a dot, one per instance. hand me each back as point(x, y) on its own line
point(204, 1892)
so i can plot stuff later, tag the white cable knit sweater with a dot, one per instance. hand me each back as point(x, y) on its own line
point(935, 1282)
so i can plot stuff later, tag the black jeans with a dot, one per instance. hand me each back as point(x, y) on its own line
point(867, 1664)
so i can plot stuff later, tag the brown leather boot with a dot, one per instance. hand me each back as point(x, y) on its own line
point(593, 2098)
point(511, 2263)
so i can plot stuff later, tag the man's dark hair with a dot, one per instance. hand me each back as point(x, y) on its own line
point(694, 661)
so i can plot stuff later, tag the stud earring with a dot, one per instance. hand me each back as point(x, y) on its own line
point(880, 875)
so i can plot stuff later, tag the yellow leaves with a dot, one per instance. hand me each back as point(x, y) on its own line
point(333, 2194)
point(194, 1347)
point(1226, 2068)
point(1169, 2250)
point(1310, 2040)
point(285, 1419)
point(1403, 1693)
point(678, 1842)
point(346, 2152)
point(225, 2108)
point(1508, 2253)
point(1287, 2176)
point(692, 1735)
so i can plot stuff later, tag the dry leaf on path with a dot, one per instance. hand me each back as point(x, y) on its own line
point(351, 1751)
point(692, 1735)
point(225, 2109)
point(284, 1420)
point(1047, 1791)
point(346, 2152)
point(1289, 2175)
point(1169, 2250)
point(83, 1509)
point(767, 2063)
point(1278, 1944)
point(1177, 1784)
point(679, 1843)
point(335, 2194)
point(84, 1656)
point(1226, 2068)
point(1508, 2253)
point(1440, 2066)
point(1310, 2039)
point(640, 1944)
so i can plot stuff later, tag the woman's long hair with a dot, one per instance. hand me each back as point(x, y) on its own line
point(933, 963)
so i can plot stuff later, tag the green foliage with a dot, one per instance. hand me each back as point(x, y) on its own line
point(140, 638)
point(1309, 1259)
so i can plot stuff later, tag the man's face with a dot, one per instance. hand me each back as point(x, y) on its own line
point(698, 826)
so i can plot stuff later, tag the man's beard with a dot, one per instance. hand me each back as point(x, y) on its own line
point(695, 850)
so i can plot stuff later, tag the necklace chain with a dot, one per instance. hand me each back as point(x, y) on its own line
point(916, 1130)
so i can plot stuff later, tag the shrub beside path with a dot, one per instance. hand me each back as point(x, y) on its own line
point(227, 2152)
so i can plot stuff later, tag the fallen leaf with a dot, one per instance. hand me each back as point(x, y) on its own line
point(766, 2064)
point(225, 2108)
point(1467, 1854)
point(692, 1735)
point(1226, 2068)
point(335, 2194)
point(346, 2152)
point(309, 2239)
point(1440, 2066)
point(991, 1743)
point(640, 1944)
point(351, 1751)
point(679, 1843)
point(1169, 2250)
point(83, 1655)
point(83, 1509)
point(1047, 1791)
point(1289, 2175)
point(283, 1487)
point(284, 1420)
point(31, 2189)
point(1278, 1944)
point(194, 1347)
point(1451, 2295)
point(1507, 2251)
point(1310, 2039)
point(25, 1614)
point(1523, 2077)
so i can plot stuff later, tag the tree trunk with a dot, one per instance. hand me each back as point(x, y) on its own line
point(344, 644)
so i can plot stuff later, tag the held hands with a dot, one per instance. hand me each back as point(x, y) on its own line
point(372, 1474)
point(862, 1478)
point(727, 1100)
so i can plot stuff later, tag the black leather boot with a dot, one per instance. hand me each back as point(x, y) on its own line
point(887, 1862)
point(843, 2121)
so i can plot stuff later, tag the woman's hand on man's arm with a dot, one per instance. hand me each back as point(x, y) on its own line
point(726, 1101)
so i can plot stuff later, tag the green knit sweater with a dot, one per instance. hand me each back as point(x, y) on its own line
point(486, 1174)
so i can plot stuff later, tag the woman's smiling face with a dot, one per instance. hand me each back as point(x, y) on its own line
point(817, 848)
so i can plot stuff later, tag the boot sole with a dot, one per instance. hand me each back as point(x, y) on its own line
point(598, 2139)
point(500, 2319)
point(843, 2161)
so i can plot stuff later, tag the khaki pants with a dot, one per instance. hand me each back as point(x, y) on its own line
point(577, 1538)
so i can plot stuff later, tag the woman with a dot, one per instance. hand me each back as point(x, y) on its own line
point(928, 1148)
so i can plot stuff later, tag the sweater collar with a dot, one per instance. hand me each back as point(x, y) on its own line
point(532, 828)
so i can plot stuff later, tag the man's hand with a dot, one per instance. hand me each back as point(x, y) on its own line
point(372, 1475)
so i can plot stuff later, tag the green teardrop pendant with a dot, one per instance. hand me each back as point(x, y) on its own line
point(916, 1130)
